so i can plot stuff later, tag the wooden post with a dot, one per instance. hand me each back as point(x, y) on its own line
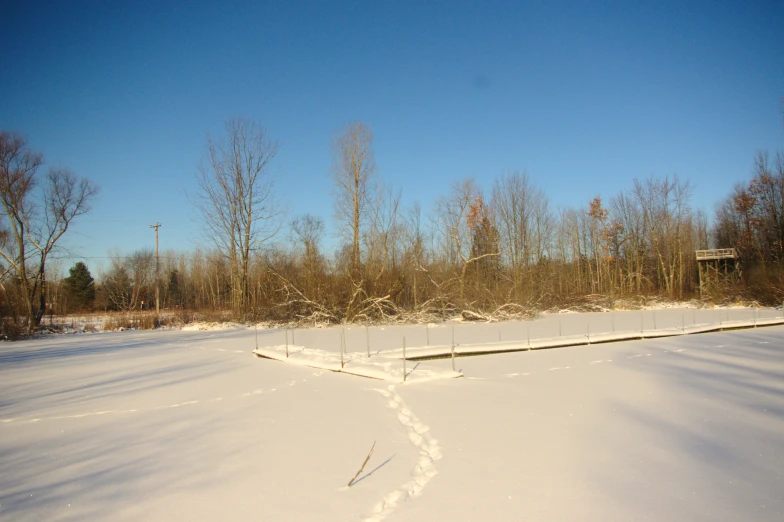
point(156, 226)
point(367, 339)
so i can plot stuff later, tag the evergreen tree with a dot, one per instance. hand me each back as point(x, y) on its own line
point(173, 288)
point(80, 287)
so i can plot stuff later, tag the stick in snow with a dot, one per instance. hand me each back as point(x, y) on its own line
point(363, 464)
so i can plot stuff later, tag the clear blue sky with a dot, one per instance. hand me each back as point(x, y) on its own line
point(584, 97)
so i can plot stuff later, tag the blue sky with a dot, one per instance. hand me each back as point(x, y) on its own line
point(584, 96)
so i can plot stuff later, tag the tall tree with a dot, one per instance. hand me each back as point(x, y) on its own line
point(484, 240)
point(353, 167)
point(767, 189)
point(237, 199)
point(35, 217)
point(454, 220)
point(308, 230)
point(524, 222)
point(118, 287)
point(80, 287)
point(668, 219)
point(173, 292)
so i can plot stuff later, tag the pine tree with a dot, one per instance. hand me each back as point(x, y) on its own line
point(80, 287)
point(173, 288)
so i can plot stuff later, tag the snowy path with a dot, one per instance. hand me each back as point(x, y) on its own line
point(158, 425)
point(425, 469)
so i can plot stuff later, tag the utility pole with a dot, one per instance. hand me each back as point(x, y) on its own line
point(157, 268)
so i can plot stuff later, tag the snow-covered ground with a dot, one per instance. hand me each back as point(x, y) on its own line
point(189, 424)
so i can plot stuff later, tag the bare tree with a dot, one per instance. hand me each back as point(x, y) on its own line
point(630, 227)
point(524, 224)
point(308, 230)
point(130, 280)
point(35, 219)
point(237, 199)
point(459, 217)
point(596, 234)
point(382, 239)
point(668, 220)
point(767, 190)
point(414, 255)
point(353, 167)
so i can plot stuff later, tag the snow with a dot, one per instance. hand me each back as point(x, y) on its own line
point(381, 368)
point(190, 424)
point(548, 331)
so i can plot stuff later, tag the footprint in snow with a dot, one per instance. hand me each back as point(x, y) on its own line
point(424, 470)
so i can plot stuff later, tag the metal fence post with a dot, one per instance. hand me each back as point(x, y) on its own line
point(588, 330)
point(453, 347)
point(404, 358)
point(642, 323)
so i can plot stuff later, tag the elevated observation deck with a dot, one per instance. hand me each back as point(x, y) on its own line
point(717, 253)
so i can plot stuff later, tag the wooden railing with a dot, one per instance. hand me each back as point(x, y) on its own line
point(717, 253)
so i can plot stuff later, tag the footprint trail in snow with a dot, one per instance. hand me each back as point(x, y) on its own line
point(425, 469)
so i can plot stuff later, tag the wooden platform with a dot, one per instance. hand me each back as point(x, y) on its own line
point(717, 253)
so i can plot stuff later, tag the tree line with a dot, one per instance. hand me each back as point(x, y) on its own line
point(502, 253)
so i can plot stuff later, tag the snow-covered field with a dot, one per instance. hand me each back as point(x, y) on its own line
point(170, 424)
